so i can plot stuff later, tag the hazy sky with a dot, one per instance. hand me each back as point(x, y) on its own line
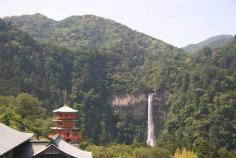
point(178, 22)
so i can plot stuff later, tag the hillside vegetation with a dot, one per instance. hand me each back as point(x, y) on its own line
point(200, 88)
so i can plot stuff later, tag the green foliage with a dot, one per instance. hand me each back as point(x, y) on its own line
point(185, 154)
point(129, 127)
point(123, 151)
point(9, 117)
point(3, 25)
point(223, 153)
point(151, 153)
point(203, 148)
point(25, 113)
point(126, 151)
point(28, 106)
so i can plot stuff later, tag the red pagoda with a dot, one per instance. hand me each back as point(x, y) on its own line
point(66, 124)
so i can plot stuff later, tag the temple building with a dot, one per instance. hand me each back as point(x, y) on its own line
point(12, 142)
point(66, 120)
point(15, 144)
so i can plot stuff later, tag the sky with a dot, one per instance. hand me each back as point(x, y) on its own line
point(178, 22)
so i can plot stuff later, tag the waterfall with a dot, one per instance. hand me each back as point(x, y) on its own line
point(150, 132)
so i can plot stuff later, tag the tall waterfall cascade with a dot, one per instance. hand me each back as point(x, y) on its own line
point(150, 133)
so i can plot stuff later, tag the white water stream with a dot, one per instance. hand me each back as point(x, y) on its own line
point(150, 133)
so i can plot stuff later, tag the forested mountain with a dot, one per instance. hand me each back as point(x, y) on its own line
point(213, 42)
point(90, 32)
point(110, 58)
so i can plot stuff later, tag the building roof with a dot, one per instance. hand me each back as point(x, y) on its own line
point(64, 147)
point(32, 147)
point(10, 138)
point(55, 150)
point(66, 108)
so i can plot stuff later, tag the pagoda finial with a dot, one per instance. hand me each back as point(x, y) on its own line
point(65, 98)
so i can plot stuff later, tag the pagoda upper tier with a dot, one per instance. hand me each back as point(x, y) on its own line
point(65, 109)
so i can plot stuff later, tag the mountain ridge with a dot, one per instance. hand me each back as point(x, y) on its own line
point(41, 16)
point(212, 42)
point(43, 20)
point(89, 34)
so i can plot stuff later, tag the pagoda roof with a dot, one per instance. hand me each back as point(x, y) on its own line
point(66, 108)
point(60, 128)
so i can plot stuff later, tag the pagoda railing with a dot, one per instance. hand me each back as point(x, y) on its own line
point(70, 137)
point(66, 126)
point(66, 118)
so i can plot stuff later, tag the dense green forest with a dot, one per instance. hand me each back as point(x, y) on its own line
point(93, 58)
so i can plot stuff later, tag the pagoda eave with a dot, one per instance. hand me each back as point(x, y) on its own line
point(64, 120)
point(60, 128)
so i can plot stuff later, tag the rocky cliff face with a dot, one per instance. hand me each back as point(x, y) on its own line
point(129, 99)
point(136, 104)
